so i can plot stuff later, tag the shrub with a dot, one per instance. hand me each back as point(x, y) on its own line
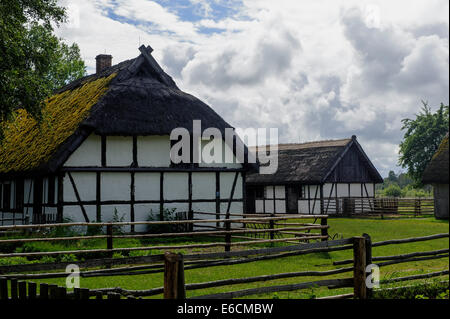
point(392, 190)
point(168, 215)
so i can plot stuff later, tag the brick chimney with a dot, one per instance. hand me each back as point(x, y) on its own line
point(103, 61)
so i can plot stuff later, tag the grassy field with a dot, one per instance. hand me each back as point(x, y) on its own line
point(341, 227)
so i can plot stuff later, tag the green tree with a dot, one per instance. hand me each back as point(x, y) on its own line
point(392, 177)
point(33, 61)
point(392, 190)
point(422, 138)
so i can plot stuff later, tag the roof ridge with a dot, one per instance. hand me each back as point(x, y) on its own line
point(312, 143)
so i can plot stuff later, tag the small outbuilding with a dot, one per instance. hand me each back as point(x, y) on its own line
point(436, 174)
point(323, 177)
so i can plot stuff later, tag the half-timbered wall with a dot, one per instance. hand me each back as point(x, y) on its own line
point(133, 176)
point(274, 199)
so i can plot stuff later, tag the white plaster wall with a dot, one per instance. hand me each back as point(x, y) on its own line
point(226, 184)
point(153, 151)
point(269, 206)
point(176, 186)
point(115, 186)
point(303, 207)
point(142, 213)
point(269, 191)
point(259, 206)
point(327, 187)
point(86, 186)
point(203, 185)
point(146, 186)
point(88, 153)
point(45, 190)
point(122, 211)
point(76, 215)
point(49, 210)
point(28, 191)
point(206, 208)
point(355, 190)
point(235, 208)
point(280, 206)
point(280, 192)
point(218, 144)
point(342, 190)
point(119, 150)
point(370, 190)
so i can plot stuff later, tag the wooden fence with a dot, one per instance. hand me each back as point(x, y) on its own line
point(234, 232)
point(173, 266)
point(349, 206)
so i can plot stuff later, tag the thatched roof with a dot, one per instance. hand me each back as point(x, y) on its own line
point(311, 163)
point(135, 97)
point(437, 169)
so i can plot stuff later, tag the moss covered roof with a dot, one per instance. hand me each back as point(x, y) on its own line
point(27, 143)
point(437, 169)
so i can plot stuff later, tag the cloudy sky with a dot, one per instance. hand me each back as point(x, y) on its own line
point(314, 69)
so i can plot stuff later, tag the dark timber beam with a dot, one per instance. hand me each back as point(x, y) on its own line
point(77, 195)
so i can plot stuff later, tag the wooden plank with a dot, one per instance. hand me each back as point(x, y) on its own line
point(171, 275)
point(32, 290)
point(84, 264)
point(43, 291)
point(13, 288)
point(359, 273)
point(415, 277)
point(22, 288)
point(409, 240)
point(3, 288)
point(292, 287)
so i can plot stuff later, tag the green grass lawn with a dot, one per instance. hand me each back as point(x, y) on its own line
point(378, 229)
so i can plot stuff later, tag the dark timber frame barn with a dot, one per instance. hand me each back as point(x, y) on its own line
point(104, 148)
point(437, 174)
point(315, 178)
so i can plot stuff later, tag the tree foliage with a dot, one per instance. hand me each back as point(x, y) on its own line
point(422, 138)
point(33, 61)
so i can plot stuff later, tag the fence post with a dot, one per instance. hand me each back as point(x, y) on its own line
point(417, 205)
point(359, 267)
point(109, 243)
point(109, 239)
point(84, 293)
point(324, 231)
point(32, 290)
point(174, 287)
point(3, 288)
point(272, 226)
point(53, 291)
point(43, 291)
point(227, 235)
point(22, 290)
point(368, 261)
point(13, 283)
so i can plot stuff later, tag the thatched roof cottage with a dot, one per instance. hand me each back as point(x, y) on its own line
point(103, 145)
point(436, 173)
point(323, 177)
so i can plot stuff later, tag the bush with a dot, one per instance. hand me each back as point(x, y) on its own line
point(430, 290)
point(392, 190)
point(168, 215)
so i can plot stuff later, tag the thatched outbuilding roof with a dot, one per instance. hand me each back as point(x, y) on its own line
point(437, 169)
point(315, 163)
point(135, 97)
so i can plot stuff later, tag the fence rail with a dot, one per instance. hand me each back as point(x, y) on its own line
point(348, 206)
point(174, 264)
